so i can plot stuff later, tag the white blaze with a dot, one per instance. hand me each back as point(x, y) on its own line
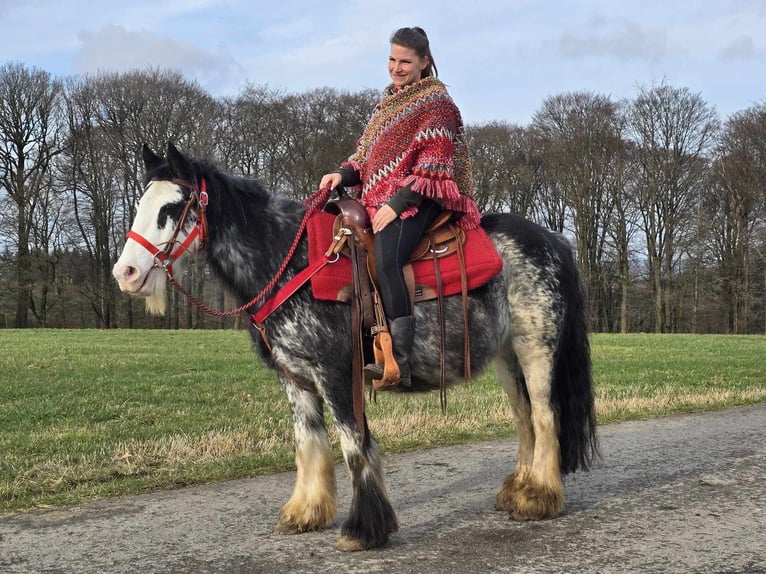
point(134, 270)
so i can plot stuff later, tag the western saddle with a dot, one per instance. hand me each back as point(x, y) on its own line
point(352, 237)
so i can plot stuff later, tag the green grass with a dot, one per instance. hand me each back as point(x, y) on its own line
point(646, 375)
point(90, 414)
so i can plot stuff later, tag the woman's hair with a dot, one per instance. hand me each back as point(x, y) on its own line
point(415, 39)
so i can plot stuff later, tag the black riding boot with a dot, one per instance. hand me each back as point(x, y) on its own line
point(402, 337)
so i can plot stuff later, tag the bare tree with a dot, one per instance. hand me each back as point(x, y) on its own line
point(47, 240)
point(623, 226)
point(321, 129)
point(110, 116)
point(738, 207)
point(29, 101)
point(506, 170)
point(581, 135)
point(672, 130)
point(251, 137)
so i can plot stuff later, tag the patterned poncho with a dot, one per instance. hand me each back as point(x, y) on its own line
point(415, 139)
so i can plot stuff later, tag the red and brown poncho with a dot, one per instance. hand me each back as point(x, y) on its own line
point(415, 139)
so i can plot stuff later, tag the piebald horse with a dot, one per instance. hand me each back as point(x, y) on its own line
point(529, 322)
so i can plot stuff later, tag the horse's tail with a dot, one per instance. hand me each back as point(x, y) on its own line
point(572, 388)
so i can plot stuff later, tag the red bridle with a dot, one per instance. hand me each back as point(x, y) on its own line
point(165, 257)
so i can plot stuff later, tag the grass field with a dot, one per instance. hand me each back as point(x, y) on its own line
point(90, 414)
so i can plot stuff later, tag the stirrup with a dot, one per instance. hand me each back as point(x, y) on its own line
point(373, 371)
point(373, 374)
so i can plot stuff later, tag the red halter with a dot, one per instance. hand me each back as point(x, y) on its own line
point(165, 257)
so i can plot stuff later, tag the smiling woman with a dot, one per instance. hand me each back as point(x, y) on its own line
point(413, 166)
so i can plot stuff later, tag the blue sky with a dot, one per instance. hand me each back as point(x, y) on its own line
point(500, 58)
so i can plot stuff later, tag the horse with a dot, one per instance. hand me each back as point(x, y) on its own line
point(529, 322)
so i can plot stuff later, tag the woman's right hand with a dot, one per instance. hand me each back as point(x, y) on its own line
point(330, 179)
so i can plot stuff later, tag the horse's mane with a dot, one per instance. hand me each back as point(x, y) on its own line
point(242, 193)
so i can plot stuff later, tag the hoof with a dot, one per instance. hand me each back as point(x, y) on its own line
point(289, 525)
point(346, 544)
point(505, 502)
point(534, 502)
point(290, 528)
point(351, 545)
point(506, 496)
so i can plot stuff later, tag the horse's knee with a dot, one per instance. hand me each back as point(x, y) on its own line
point(313, 503)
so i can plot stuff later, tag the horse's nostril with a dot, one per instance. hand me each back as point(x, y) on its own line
point(130, 271)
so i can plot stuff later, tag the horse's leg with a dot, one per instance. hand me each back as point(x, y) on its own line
point(371, 517)
point(541, 492)
point(511, 380)
point(312, 504)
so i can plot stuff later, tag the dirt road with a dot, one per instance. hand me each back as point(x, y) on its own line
point(678, 494)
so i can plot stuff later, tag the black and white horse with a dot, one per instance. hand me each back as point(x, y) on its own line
point(529, 321)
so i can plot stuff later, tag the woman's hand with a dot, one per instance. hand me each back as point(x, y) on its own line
point(383, 217)
point(331, 179)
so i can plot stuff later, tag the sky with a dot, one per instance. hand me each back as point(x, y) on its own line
point(499, 58)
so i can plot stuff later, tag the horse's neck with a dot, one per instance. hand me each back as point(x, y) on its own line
point(250, 233)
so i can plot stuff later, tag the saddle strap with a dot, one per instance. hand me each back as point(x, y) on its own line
point(466, 334)
point(464, 292)
point(357, 345)
point(442, 345)
point(360, 271)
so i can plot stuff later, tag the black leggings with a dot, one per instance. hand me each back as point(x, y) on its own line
point(393, 247)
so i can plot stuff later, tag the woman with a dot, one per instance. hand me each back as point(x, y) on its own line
point(411, 163)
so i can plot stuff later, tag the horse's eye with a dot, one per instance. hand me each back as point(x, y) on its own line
point(165, 212)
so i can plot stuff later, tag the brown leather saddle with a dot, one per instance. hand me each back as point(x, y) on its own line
point(353, 238)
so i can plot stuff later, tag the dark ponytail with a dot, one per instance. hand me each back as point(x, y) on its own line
point(415, 38)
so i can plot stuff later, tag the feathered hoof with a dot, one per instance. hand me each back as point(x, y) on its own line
point(506, 495)
point(290, 526)
point(536, 502)
point(346, 544)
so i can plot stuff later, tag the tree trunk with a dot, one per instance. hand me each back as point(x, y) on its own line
point(624, 286)
point(23, 275)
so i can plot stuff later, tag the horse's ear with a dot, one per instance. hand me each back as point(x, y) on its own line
point(151, 159)
point(180, 166)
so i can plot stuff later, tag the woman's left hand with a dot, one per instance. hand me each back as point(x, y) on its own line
point(383, 217)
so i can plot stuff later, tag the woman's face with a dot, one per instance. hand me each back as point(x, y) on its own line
point(404, 66)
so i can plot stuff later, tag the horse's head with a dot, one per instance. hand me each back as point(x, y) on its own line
point(164, 229)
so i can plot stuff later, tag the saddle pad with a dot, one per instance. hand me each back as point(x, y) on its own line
point(333, 282)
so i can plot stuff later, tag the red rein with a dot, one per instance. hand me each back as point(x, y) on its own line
point(166, 257)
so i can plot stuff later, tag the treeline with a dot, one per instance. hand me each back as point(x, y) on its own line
point(664, 201)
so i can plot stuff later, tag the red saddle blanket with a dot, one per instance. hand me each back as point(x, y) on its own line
point(333, 282)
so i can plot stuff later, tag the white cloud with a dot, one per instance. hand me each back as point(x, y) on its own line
point(500, 58)
point(116, 49)
point(621, 40)
point(742, 48)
